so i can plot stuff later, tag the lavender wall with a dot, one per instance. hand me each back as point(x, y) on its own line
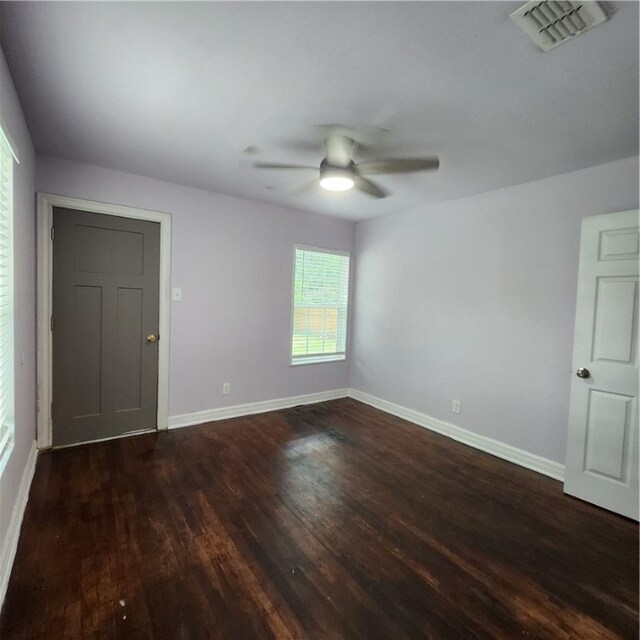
point(13, 124)
point(474, 299)
point(233, 260)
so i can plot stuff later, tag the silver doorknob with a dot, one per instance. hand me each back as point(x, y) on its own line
point(583, 373)
point(151, 338)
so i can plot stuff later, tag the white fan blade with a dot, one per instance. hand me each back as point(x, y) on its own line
point(398, 165)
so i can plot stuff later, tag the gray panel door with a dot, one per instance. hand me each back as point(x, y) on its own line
point(105, 306)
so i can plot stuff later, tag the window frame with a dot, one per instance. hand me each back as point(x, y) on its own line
point(7, 428)
point(320, 358)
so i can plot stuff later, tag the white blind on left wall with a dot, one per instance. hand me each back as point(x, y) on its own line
point(6, 302)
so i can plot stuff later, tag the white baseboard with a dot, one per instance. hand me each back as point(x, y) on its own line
point(499, 449)
point(224, 413)
point(10, 545)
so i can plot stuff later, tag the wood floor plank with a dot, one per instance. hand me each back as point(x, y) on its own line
point(327, 521)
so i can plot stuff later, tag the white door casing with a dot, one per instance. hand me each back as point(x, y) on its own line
point(46, 203)
point(602, 445)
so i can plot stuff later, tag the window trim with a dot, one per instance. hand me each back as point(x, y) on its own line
point(319, 358)
point(7, 436)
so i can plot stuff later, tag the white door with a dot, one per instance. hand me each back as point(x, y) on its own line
point(602, 446)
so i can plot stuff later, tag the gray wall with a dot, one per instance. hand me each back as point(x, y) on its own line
point(13, 124)
point(233, 259)
point(474, 299)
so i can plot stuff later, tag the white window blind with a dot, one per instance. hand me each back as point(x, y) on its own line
point(6, 301)
point(320, 302)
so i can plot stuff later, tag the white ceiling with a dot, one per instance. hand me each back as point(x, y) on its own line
point(178, 91)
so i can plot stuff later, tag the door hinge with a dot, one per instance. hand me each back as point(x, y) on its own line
point(51, 323)
point(53, 233)
point(51, 411)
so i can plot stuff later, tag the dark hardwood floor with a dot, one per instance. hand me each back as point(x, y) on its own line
point(328, 521)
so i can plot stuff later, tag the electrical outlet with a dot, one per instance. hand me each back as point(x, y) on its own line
point(226, 388)
point(456, 406)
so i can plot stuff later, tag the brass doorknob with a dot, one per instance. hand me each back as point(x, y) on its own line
point(151, 338)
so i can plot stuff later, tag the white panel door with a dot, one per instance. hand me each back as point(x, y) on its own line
point(602, 446)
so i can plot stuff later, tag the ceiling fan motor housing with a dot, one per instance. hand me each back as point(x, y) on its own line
point(348, 170)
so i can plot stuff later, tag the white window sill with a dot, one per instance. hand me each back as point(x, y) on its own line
point(330, 357)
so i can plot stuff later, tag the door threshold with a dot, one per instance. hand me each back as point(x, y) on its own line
point(128, 434)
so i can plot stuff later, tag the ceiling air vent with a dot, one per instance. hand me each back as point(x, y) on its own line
point(552, 22)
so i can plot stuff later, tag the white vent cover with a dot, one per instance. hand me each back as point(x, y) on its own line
point(552, 22)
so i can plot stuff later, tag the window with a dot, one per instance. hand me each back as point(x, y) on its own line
point(320, 296)
point(6, 301)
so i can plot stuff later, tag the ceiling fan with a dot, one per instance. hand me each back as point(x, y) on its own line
point(339, 172)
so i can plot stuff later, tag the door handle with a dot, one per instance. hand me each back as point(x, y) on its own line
point(583, 373)
point(151, 338)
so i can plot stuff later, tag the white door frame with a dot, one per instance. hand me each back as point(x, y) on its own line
point(46, 203)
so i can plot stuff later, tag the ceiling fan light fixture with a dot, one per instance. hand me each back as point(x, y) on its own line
point(336, 178)
point(337, 183)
